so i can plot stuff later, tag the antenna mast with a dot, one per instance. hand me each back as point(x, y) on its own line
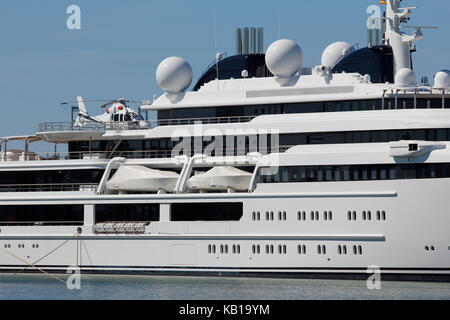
point(400, 42)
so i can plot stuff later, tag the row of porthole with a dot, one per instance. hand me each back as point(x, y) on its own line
point(342, 249)
point(367, 215)
point(430, 248)
point(20, 245)
point(282, 249)
point(269, 249)
point(256, 216)
point(314, 215)
point(235, 249)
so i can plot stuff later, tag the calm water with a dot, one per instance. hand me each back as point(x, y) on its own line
point(37, 286)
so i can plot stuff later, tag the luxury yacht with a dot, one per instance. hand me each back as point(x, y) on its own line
point(265, 168)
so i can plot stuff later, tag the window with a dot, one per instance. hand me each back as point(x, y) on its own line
point(67, 180)
point(208, 211)
point(230, 145)
point(301, 249)
point(49, 215)
point(301, 215)
point(321, 249)
point(369, 172)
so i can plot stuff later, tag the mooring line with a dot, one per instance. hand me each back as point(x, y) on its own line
point(87, 252)
point(33, 266)
point(48, 253)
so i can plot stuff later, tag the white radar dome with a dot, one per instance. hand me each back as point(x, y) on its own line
point(174, 75)
point(284, 58)
point(335, 52)
point(442, 79)
point(405, 78)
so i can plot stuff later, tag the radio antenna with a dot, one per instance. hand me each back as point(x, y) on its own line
point(215, 30)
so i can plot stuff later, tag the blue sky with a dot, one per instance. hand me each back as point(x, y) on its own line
point(120, 44)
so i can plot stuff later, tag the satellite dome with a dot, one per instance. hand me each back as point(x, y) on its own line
point(174, 75)
point(405, 78)
point(442, 79)
point(284, 58)
point(335, 52)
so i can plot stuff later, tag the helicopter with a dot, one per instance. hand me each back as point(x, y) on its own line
point(117, 115)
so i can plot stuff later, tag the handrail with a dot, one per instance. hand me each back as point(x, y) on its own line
point(136, 125)
point(45, 187)
point(130, 154)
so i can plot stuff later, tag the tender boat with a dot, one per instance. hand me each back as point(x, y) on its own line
point(221, 179)
point(135, 178)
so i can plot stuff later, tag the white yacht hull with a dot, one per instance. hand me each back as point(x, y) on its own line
point(416, 216)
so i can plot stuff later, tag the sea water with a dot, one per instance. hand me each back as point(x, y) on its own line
point(123, 287)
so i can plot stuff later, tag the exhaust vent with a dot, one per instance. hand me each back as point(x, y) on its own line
point(249, 40)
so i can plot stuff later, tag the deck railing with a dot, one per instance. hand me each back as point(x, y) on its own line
point(134, 154)
point(46, 187)
point(136, 125)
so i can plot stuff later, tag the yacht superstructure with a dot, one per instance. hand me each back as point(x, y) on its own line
point(320, 171)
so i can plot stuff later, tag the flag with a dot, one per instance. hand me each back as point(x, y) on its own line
point(383, 1)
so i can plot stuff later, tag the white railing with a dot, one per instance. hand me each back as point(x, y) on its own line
point(48, 187)
point(136, 125)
